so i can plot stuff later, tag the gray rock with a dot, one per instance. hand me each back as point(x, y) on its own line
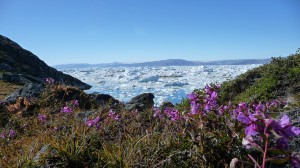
point(104, 99)
point(83, 115)
point(167, 105)
point(140, 102)
point(28, 90)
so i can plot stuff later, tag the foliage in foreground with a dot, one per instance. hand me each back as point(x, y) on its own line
point(199, 132)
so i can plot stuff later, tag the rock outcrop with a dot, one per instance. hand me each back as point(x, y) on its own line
point(18, 65)
point(140, 102)
point(29, 90)
point(103, 99)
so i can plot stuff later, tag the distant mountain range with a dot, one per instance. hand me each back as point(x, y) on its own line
point(168, 62)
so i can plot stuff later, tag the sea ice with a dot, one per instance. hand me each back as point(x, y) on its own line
point(166, 83)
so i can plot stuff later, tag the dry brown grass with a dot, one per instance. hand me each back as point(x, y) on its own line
point(7, 88)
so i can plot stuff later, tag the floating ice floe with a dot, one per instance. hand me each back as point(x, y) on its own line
point(178, 84)
point(150, 79)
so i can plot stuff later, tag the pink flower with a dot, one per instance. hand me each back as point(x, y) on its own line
point(250, 121)
point(207, 107)
point(194, 108)
point(295, 160)
point(49, 80)
point(112, 114)
point(75, 103)
point(3, 135)
point(192, 96)
point(42, 117)
point(173, 114)
point(94, 122)
point(208, 89)
point(157, 112)
point(285, 128)
point(214, 95)
point(117, 118)
point(66, 109)
point(12, 133)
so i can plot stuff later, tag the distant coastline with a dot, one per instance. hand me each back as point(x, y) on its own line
point(168, 62)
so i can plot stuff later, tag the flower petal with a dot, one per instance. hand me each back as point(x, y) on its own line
point(242, 118)
point(284, 121)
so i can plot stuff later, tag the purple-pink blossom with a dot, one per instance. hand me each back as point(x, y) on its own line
point(250, 121)
point(207, 108)
point(259, 108)
point(12, 133)
point(214, 95)
point(75, 103)
point(93, 122)
point(195, 108)
point(157, 112)
point(66, 109)
point(49, 80)
point(3, 135)
point(295, 160)
point(285, 128)
point(208, 89)
point(192, 97)
point(113, 115)
point(42, 117)
point(173, 114)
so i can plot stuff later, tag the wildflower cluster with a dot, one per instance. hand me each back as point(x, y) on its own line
point(96, 121)
point(10, 134)
point(168, 112)
point(93, 122)
point(49, 81)
point(68, 108)
point(254, 117)
point(113, 115)
point(200, 131)
point(203, 103)
point(261, 131)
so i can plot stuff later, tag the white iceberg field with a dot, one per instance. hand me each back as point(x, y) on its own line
point(166, 83)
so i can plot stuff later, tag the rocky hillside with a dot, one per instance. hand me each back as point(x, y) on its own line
point(20, 66)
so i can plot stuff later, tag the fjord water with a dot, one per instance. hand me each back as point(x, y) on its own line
point(170, 83)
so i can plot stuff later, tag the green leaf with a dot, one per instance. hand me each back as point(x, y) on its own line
point(276, 151)
point(277, 160)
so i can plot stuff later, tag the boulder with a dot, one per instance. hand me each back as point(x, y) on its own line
point(140, 102)
point(104, 99)
point(29, 90)
point(167, 105)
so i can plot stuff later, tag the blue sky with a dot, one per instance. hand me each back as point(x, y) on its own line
point(103, 31)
